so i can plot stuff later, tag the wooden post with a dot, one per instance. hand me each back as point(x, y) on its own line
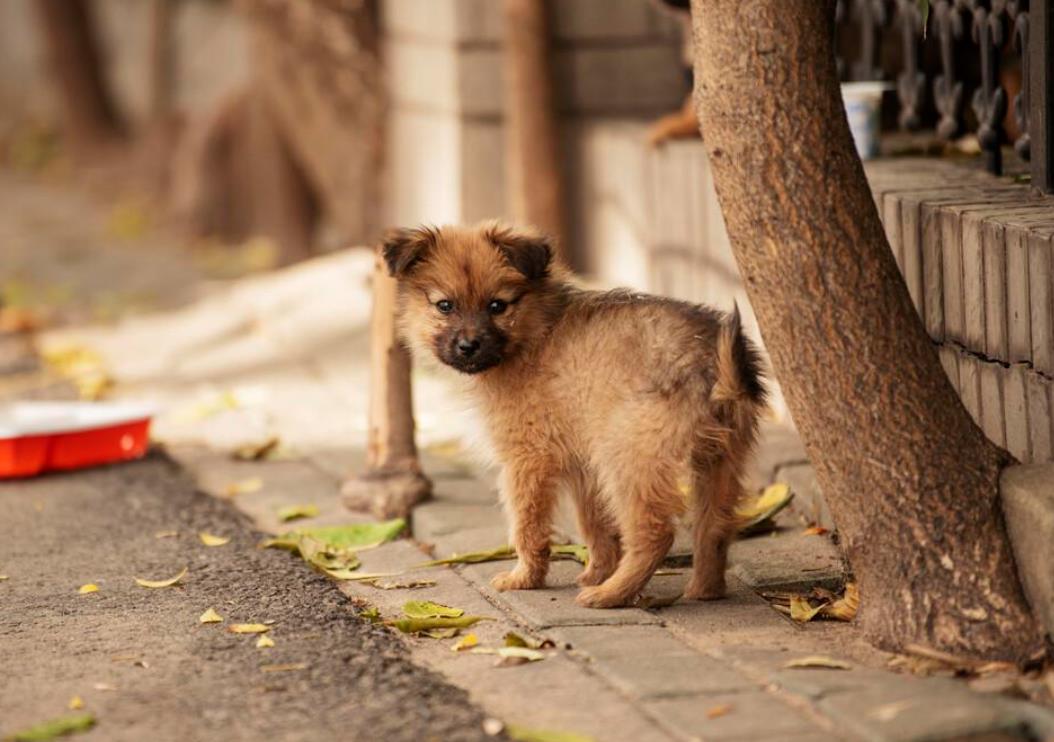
point(534, 181)
point(392, 482)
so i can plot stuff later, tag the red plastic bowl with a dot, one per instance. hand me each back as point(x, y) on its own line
point(46, 436)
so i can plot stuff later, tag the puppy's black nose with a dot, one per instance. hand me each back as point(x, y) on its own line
point(467, 348)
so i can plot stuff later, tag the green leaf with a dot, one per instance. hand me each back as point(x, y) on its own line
point(55, 728)
point(428, 609)
point(578, 552)
point(448, 633)
point(295, 512)
point(356, 535)
point(924, 11)
point(474, 557)
point(417, 625)
point(523, 734)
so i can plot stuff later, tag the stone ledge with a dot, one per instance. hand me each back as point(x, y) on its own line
point(1028, 504)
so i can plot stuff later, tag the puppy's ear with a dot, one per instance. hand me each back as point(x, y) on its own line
point(405, 248)
point(530, 254)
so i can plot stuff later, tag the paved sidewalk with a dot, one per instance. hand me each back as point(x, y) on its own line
point(285, 355)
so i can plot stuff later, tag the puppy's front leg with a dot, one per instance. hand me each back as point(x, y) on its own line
point(528, 491)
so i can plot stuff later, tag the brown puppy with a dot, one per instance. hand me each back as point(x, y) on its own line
point(614, 396)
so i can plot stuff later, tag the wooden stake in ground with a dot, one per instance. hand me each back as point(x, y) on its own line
point(392, 482)
point(68, 31)
point(534, 181)
point(911, 481)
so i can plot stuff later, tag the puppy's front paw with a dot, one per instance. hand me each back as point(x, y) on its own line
point(601, 597)
point(516, 580)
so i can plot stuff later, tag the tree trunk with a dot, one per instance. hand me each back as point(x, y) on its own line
point(911, 481)
point(534, 181)
point(318, 68)
point(68, 31)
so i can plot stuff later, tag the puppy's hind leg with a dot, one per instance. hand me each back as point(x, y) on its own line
point(646, 520)
point(599, 531)
point(717, 491)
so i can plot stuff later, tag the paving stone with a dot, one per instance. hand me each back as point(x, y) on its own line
point(740, 614)
point(787, 561)
point(484, 538)
point(808, 499)
point(748, 713)
point(818, 683)
point(1027, 494)
point(555, 604)
point(778, 445)
point(902, 710)
point(647, 662)
point(437, 518)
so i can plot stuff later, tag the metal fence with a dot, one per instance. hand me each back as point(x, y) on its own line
point(970, 43)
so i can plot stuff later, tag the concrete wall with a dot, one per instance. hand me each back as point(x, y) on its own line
point(616, 60)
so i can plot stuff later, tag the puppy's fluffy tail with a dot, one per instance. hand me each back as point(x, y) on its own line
point(738, 366)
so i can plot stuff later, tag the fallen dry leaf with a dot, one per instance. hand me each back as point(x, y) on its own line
point(54, 728)
point(417, 625)
point(803, 611)
point(257, 451)
point(889, 711)
point(466, 642)
point(210, 539)
point(815, 531)
point(817, 660)
point(398, 584)
point(845, 607)
point(512, 639)
point(525, 734)
point(448, 633)
point(210, 616)
point(248, 628)
point(166, 534)
point(428, 609)
point(104, 687)
point(296, 512)
point(76, 703)
point(511, 656)
point(4, 577)
point(243, 487)
point(716, 711)
point(757, 517)
point(290, 667)
point(170, 582)
point(264, 642)
point(91, 587)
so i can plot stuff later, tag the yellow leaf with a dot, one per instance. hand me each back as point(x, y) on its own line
point(295, 512)
point(248, 628)
point(720, 710)
point(243, 487)
point(91, 587)
point(758, 515)
point(818, 661)
point(801, 610)
point(428, 609)
point(264, 642)
point(845, 608)
point(211, 540)
point(210, 616)
point(76, 703)
point(162, 583)
point(4, 577)
point(466, 642)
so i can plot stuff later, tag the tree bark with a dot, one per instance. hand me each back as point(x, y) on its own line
point(911, 481)
point(318, 67)
point(68, 30)
point(534, 181)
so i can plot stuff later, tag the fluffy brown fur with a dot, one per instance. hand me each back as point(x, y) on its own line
point(614, 396)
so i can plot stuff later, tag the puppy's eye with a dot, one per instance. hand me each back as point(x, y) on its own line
point(497, 306)
point(445, 306)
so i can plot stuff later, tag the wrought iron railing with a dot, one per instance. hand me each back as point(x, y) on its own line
point(969, 42)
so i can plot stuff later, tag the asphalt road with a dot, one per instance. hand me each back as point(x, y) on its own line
point(140, 659)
